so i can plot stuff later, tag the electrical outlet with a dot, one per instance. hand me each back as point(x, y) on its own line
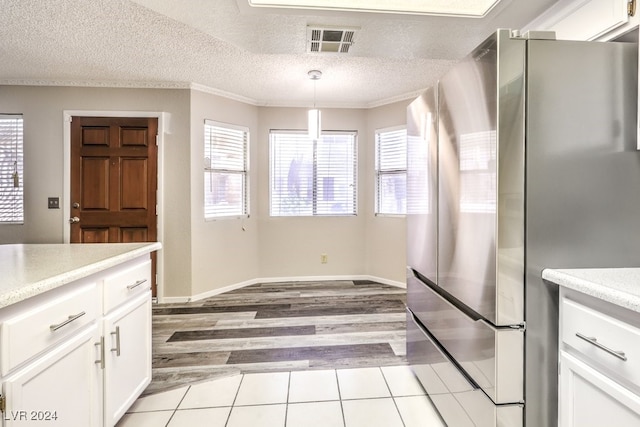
point(323, 258)
point(53, 202)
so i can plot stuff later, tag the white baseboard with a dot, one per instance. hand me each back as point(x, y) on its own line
point(218, 291)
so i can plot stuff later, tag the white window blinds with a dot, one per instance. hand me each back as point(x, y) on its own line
point(225, 170)
point(313, 178)
point(11, 169)
point(391, 171)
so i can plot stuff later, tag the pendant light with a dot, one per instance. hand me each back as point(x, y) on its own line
point(314, 114)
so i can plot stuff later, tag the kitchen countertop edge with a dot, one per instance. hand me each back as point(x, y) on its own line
point(28, 290)
point(619, 286)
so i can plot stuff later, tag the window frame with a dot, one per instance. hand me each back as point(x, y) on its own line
point(6, 175)
point(316, 194)
point(245, 172)
point(379, 172)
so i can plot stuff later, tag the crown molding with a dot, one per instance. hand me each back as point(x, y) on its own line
point(96, 83)
point(200, 88)
point(213, 91)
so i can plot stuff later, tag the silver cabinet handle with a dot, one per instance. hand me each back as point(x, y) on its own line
point(100, 344)
point(135, 285)
point(117, 347)
point(593, 340)
point(66, 322)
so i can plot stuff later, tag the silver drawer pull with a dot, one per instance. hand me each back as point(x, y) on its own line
point(117, 347)
point(100, 345)
point(66, 322)
point(592, 340)
point(135, 285)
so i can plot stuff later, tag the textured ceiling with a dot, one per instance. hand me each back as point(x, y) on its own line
point(254, 54)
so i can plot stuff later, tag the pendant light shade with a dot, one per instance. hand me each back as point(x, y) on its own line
point(314, 124)
point(314, 118)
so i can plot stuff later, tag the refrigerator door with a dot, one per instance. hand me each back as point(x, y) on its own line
point(492, 358)
point(481, 180)
point(583, 177)
point(422, 185)
point(459, 402)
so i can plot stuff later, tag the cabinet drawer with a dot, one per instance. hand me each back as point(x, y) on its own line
point(129, 280)
point(41, 325)
point(597, 338)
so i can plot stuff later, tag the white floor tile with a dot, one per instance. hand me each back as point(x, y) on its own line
point(145, 419)
point(215, 393)
point(263, 388)
point(316, 414)
point(371, 413)
point(313, 386)
point(257, 416)
point(362, 383)
point(402, 381)
point(417, 411)
point(210, 417)
point(160, 401)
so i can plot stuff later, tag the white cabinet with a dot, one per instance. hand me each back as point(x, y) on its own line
point(78, 355)
point(599, 363)
point(582, 19)
point(590, 399)
point(127, 355)
point(62, 388)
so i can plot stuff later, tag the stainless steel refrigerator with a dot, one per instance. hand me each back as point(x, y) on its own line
point(523, 157)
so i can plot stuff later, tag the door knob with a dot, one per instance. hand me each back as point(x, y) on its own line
point(74, 220)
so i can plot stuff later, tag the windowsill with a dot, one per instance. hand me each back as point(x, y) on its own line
point(226, 218)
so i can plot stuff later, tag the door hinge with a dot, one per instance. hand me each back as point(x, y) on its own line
point(156, 210)
point(157, 139)
point(631, 8)
point(3, 403)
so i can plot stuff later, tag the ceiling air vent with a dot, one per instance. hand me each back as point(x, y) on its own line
point(329, 40)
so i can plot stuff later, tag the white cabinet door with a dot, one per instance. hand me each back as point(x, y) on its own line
point(589, 399)
point(127, 332)
point(62, 388)
point(583, 19)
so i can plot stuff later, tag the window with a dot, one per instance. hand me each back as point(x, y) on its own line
point(11, 169)
point(391, 171)
point(313, 178)
point(225, 170)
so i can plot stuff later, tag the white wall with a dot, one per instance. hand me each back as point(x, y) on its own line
point(385, 235)
point(202, 257)
point(223, 252)
point(44, 172)
point(291, 247)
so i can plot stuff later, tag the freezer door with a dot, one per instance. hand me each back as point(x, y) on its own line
point(481, 180)
point(422, 184)
point(459, 402)
point(492, 358)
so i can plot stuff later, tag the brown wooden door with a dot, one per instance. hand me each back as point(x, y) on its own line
point(114, 181)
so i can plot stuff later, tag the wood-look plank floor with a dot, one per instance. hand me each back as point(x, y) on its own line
point(278, 327)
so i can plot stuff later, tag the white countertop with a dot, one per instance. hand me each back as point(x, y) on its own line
point(620, 286)
point(28, 270)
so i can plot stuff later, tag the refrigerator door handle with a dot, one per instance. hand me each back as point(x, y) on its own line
point(448, 297)
point(445, 353)
point(460, 306)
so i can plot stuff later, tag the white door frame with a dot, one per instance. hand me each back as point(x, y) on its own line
point(66, 187)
